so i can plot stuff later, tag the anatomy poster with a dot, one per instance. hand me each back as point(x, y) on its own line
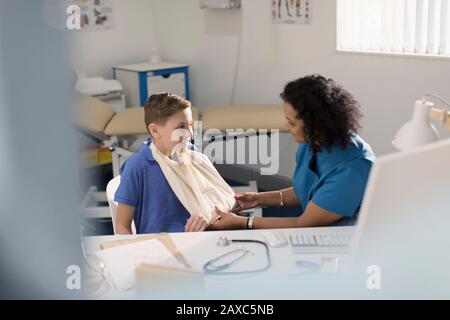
point(292, 11)
point(95, 14)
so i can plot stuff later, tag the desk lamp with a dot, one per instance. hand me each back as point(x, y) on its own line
point(419, 130)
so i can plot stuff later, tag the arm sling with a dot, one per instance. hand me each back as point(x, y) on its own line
point(195, 181)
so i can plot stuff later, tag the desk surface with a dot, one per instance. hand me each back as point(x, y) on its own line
point(148, 67)
point(200, 247)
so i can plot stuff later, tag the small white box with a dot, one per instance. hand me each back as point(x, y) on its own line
point(220, 4)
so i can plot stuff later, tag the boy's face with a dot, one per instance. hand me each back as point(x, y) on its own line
point(178, 128)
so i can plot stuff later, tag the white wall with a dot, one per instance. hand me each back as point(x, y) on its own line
point(130, 40)
point(207, 40)
point(273, 54)
point(270, 55)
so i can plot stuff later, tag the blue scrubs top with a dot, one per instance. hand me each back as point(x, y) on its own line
point(144, 186)
point(333, 179)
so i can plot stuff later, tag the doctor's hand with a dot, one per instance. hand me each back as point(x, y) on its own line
point(196, 223)
point(246, 200)
point(228, 220)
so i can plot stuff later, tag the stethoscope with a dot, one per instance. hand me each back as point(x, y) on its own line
point(211, 267)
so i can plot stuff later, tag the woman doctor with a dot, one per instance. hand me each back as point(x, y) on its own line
point(333, 162)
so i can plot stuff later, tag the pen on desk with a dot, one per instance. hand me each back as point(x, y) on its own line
point(307, 264)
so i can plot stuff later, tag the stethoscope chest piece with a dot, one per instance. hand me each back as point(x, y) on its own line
point(223, 242)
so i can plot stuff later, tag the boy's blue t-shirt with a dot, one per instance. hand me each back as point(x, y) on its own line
point(144, 186)
point(334, 179)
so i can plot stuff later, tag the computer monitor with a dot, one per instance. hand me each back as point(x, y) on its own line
point(404, 222)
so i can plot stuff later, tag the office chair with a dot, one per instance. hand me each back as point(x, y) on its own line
point(111, 189)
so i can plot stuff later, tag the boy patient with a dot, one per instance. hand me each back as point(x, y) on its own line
point(144, 195)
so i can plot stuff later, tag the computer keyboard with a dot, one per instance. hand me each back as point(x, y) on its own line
point(320, 242)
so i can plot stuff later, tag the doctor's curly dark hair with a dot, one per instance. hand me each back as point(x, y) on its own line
point(330, 114)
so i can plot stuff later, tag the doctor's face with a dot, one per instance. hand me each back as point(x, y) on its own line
point(294, 125)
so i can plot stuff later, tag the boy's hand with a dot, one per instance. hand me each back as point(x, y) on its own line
point(196, 223)
point(228, 220)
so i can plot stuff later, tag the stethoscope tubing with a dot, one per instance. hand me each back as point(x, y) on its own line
point(219, 269)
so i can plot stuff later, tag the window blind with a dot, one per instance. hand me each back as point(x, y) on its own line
point(394, 26)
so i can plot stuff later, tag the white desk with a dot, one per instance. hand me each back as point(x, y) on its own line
point(200, 247)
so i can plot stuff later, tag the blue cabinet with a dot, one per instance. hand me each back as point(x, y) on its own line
point(141, 80)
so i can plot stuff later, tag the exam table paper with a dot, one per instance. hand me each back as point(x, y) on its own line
point(121, 261)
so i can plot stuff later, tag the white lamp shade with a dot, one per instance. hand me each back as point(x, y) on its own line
point(417, 131)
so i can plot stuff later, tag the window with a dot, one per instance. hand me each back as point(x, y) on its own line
point(418, 27)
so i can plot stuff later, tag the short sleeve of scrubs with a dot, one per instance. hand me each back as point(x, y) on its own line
point(129, 190)
point(342, 190)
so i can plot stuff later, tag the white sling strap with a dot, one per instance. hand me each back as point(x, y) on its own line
point(195, 181)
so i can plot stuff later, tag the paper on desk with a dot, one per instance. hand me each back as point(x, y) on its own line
point(121, 261)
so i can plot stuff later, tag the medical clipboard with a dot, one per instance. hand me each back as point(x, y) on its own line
point(164, 238)
point(157, 276)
